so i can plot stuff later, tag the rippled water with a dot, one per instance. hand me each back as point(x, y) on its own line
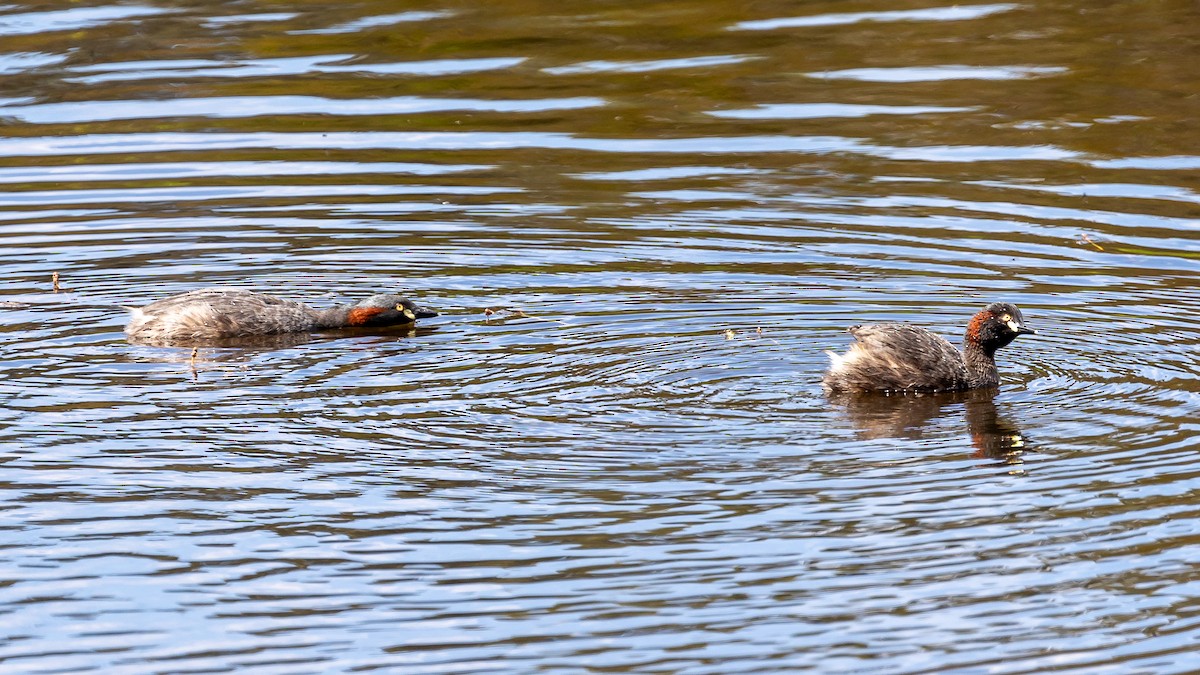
point(642, 224)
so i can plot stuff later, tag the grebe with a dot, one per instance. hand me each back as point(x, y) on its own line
point(900, 357)
point(215, 313)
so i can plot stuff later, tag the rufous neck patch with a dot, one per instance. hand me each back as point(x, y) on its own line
point(976, 325)
point(361, 316)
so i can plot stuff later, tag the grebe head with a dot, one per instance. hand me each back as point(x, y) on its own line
point(997, 325)
point(387, 310)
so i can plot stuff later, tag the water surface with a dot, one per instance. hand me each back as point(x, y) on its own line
point(642, 224)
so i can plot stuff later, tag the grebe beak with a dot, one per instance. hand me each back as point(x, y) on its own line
point(1018, 327)
point(425, 313)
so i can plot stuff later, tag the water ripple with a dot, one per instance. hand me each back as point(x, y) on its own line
point(951, 13)
point(169, 142)
point(939, 73)
point(282, 67)
point(81, 18)
point(378, 21)
point(224, 107)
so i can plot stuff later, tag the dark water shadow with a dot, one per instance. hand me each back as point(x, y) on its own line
point(992, 434)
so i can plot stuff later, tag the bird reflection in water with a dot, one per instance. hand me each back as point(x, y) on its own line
point(235, 353)
point(993, 435)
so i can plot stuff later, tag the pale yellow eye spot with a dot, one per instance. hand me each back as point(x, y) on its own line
point(1007, 318)
point(399, 308)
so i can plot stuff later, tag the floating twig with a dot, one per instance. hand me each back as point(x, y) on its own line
point(519, 314)
point(1085, 239)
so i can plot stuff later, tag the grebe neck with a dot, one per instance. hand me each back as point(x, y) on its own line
point(334, 317)
point(981, 364)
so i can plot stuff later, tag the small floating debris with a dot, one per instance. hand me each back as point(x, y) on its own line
point(1085, 239)
point(488, 313)
point(55, 285)
point(731, 334)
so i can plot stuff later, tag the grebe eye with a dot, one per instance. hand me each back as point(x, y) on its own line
point(399, 308)
point(1006, 318)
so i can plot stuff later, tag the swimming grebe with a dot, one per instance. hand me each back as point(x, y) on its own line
point(215, 313)
point(900, 357)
